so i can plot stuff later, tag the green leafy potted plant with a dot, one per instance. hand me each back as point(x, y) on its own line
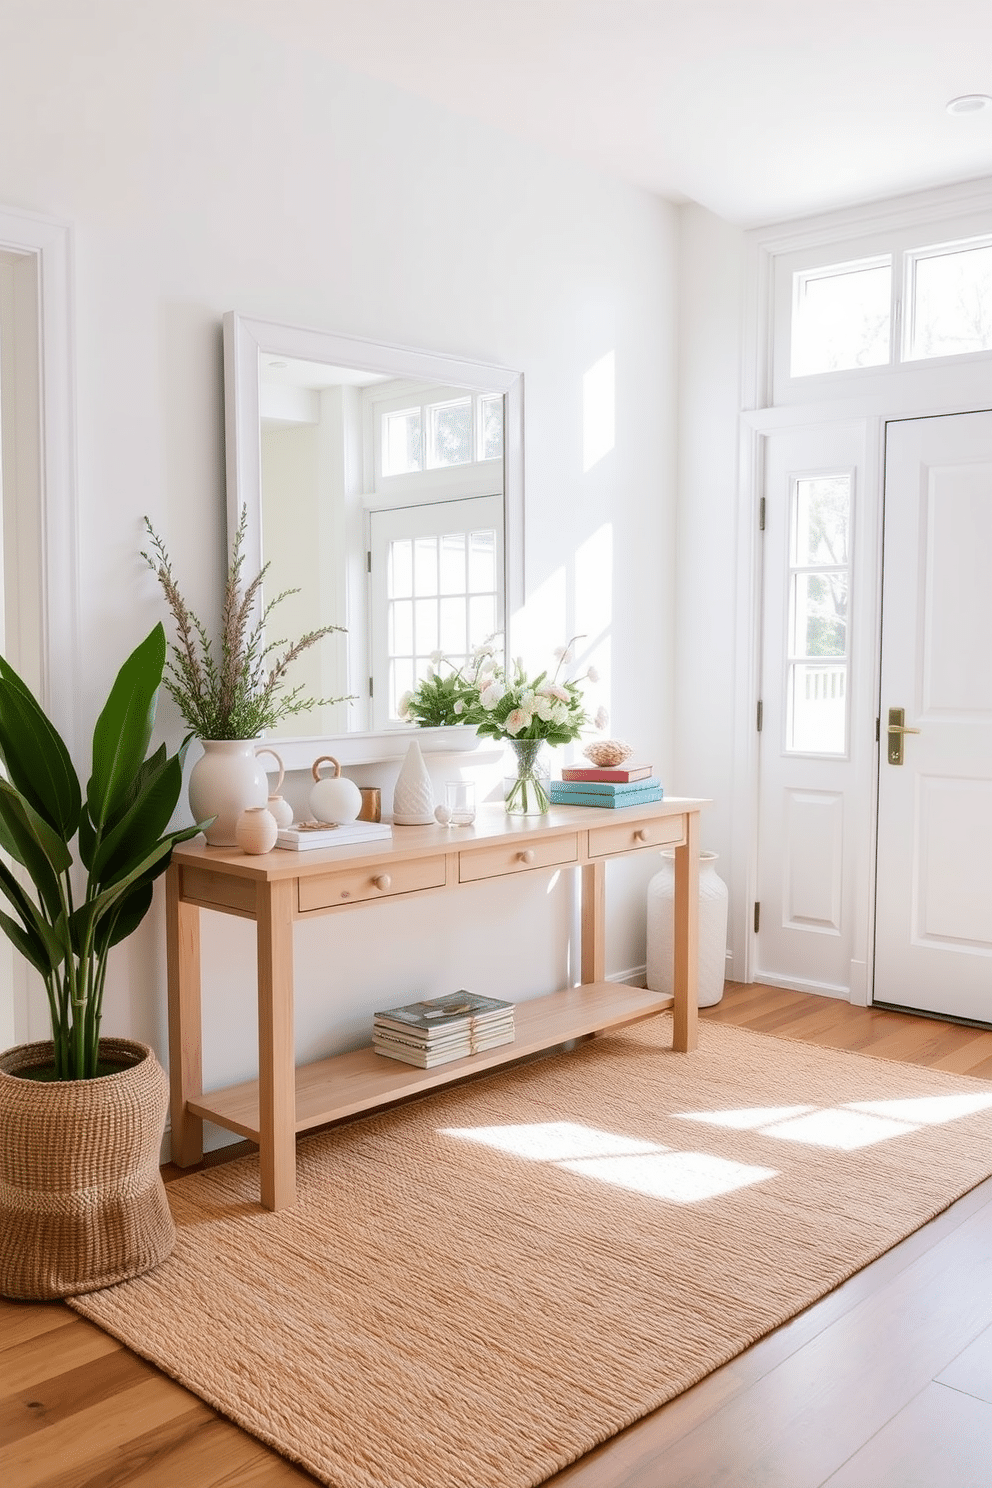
point(230, 697)
point(81, 1117)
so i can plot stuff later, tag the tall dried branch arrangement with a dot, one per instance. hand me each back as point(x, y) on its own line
point(243, 691)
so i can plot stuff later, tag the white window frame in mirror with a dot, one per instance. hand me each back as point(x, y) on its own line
point(246, 340)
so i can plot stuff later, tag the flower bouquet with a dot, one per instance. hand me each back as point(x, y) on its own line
point(530, 713)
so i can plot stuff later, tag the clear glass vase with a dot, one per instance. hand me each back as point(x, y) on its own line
point(527, 792)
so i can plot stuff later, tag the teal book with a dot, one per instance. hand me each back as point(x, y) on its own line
point(566, 789)
point(584, 798)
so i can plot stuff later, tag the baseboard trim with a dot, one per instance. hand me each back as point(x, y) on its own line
point(802, 984)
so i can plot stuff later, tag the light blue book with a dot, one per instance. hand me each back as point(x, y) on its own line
point(569, 788)
point(632, 798)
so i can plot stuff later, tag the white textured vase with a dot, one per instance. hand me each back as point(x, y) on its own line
point(277, 804)
point(413, 794)
point(712, 929)
point(256, 830)
point(226, 780)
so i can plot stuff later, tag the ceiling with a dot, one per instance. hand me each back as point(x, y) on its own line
point(757, 109)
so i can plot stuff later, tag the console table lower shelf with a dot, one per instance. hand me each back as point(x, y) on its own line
point(363, 1080)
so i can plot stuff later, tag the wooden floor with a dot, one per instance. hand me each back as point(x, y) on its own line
point(886, 1383)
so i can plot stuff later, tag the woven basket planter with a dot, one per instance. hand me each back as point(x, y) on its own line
point(82, 1203)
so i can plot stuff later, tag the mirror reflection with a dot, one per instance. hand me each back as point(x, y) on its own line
point(379, 496)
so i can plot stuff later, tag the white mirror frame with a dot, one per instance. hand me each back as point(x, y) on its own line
point(245, 341)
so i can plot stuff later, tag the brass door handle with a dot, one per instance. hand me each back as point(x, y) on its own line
point(896, 729)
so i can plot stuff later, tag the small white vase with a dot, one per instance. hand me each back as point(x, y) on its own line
point(277, 804)
point(225, 780)
point(413, 795)
point(712, 929)
point(256, 830)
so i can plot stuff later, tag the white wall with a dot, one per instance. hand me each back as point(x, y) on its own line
point(207, 167)
point(711, 290)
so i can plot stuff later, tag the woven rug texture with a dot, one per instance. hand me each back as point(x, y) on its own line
point(475, 1289)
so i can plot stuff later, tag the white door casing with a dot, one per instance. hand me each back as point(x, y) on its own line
point(933, 916)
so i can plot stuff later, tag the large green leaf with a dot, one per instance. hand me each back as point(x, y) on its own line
point(28, 943)
point(124, 728)
point(28, 849)
point(125, 920)
point(142, 825)
point(36, 758)
point(44, 935)
point(88, 915)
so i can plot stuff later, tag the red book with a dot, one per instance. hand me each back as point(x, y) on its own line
point(613, 772)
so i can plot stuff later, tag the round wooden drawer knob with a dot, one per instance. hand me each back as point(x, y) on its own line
point(642, 835)
point(382, 881)
point(527, 856)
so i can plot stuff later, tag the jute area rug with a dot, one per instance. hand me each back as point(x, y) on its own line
point(475, 1289)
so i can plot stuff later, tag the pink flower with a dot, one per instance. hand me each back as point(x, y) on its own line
point(516, 721)
point(602, 718)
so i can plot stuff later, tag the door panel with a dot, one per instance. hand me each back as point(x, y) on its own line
point(933, 923)
point(817, 714)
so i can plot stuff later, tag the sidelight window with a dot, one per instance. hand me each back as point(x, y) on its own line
point(818, 660)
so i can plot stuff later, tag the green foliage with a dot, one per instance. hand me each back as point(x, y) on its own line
point(121, 836)
point(442, 697)
point(240, 694)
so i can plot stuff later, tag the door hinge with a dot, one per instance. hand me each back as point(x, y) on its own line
point(368, 561)
point(757, 916)
point(371, 690)
point(761, 515)
point(878, 729)
point(759, 717)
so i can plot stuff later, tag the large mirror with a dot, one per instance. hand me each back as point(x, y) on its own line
point(386, 486)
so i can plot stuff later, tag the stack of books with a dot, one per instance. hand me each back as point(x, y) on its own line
point(442, 1028)
point(302, 836)
point(609, 786)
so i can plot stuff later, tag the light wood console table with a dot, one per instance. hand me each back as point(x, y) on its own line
point(278, 888)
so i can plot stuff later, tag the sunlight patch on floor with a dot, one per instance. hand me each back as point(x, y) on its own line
point(625, 1162)
point(680, 1177)
point(844, 1130)
point(745, 1119)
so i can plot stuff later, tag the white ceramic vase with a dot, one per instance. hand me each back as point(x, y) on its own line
point(712, 929)
point(413, 794)
point(334, 798)
point(226, 780)
point(277, 804)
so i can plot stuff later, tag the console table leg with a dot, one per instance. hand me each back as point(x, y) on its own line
point(686, 1010)
point(276, 1053)
point(182, 944)
point(592, 963)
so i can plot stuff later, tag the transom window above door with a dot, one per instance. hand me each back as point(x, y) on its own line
point(839, 320)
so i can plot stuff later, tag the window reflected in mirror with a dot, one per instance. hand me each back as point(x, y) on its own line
point(382, 504)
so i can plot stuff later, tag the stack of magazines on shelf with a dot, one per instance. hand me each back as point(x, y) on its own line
point(612, 786)
point(443, 1028)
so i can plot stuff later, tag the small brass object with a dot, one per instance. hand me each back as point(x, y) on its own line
point(371, 808)
point(897, 730)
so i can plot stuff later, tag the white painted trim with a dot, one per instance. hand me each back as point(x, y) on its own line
point(801, 984)
point(50, 244)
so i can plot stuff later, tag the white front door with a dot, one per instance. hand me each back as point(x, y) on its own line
point(933, 918)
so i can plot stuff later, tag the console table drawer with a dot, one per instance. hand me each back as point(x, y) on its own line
point(622, 837)
point(371, 883)
point(495, 862)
